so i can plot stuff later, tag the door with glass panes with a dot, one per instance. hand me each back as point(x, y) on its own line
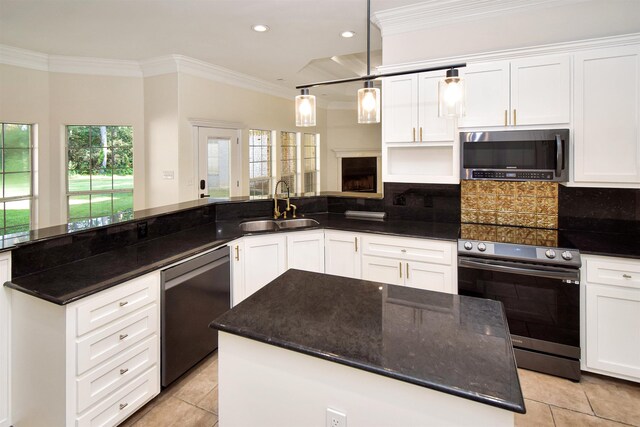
point(219, 165)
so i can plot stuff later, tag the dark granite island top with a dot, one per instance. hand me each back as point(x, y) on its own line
point(449, 343)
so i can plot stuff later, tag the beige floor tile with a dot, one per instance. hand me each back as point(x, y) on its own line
point(175, 412)
point(554, 391)
point(567, 418)
point(210, 401)
point(138, 414)
point(538, 415)
point(614, 400)
point(201, 381)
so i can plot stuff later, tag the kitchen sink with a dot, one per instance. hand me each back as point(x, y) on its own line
point(273, 225)
point(260, 225)
point(287, 224)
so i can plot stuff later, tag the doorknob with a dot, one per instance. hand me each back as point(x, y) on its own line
point(202, 196)
point(202, 183)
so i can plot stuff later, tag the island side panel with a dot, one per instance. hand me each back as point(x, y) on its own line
point(265, 385)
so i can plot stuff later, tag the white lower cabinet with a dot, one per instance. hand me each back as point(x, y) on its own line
point(91, 362)
point(305, 250)
point(237, 271)
point(265, 258)
point(611, 319)
point(342, 253)
point(418, 263)
point(5, 340)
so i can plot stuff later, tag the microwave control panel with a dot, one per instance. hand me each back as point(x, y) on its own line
point(524, 175)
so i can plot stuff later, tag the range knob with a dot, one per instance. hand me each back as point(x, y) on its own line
point(468, 245)
point(567, 255)
point(550, 253)
point(482, 247)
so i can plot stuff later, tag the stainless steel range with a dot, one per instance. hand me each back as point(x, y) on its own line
point(540, 289)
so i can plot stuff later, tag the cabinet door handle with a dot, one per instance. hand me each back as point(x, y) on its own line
point(355, 239)
point(123, 336)
point(123, 405)
point(124, 371)
point(400, 269)
point(420, 133)
point(123, 303)
point(407, 265)
point(506, 115)
point(414, 134)
point(237, 253)
point(514, 117)
point(626, 276)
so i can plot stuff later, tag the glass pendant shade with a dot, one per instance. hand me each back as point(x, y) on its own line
point(368, 104)
point(451, 94)
point(305, 109)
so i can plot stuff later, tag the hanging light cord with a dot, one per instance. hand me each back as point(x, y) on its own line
point(377, 76)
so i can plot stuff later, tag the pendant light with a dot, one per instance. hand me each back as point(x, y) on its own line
point(450, 90)
point(305, 109)
point(451, 95)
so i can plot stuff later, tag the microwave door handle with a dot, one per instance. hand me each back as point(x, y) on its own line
point(502, 267)
point(559, 156)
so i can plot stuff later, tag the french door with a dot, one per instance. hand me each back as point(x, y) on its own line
point(219, 162)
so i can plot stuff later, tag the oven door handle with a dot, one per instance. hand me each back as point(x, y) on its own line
point(506, 267)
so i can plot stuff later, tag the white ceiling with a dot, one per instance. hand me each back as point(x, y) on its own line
point(303, 45)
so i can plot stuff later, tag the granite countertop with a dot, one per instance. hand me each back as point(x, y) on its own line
point(454, 344)
point(601, 243)
point(70, 282)
point(333, 221)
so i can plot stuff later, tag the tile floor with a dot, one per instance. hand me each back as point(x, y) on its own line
point(595, 401)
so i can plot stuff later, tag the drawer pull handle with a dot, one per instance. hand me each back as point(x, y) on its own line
point(123, 336)
point(123, 303)
point(123, 405)
point(403, 251)
point(626, 276)
point(124, 371)
point(355, 239)
point(407, 265)
point(400, 269)
point(237, 253)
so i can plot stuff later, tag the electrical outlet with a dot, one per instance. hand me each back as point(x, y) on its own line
point(335, 418)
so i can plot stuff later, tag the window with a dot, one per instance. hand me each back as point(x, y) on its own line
point(99, 171)
point(16, 174)
point(311, 165)
point(260, 158)
point(289, 159)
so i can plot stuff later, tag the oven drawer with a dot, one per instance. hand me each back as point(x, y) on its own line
point(616, 272)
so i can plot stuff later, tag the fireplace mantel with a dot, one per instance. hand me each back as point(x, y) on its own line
point(356, 152)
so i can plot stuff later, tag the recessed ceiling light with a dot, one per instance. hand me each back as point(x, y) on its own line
point(260, 28)
point(347, 34)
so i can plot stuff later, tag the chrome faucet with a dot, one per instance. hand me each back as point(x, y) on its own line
point(276, 210)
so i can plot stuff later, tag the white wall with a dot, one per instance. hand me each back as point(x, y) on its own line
point(344, 132)
point(575, 21)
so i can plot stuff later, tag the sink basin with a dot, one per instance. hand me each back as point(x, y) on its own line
point(272, 225)
point(287, 224)
point(260, 225)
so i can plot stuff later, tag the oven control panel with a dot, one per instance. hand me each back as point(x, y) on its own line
point(524, 253)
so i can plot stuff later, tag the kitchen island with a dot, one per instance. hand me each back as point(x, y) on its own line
point(380, 354)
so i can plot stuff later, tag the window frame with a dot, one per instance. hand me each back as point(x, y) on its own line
point(271, 162)
point(316, 171)
point(90, 193)
point(30, 197)
point(296, 161)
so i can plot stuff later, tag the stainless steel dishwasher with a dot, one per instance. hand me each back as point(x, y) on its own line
point(193, 294)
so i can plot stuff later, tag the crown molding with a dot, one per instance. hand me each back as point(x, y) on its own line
point(434, 13)
point(159, 66)
point(94, 66)
point(549, 49)
point(23, 58)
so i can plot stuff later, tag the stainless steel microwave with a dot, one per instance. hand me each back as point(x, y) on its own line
point(515, 155)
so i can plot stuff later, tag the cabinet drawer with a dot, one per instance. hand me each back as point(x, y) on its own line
point(113, 304)
point(123, 402)
point(613, 272)
point(111, 375)
point(408, 249)
point(100, 346)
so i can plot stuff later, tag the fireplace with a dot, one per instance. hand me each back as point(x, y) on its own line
point(359, 174)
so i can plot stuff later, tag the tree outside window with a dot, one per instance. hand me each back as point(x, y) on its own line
point(99, 171)
point(16, 178)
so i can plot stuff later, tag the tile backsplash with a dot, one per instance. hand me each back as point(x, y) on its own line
point(525, 204)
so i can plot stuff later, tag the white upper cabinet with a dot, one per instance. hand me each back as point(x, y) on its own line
point(411, 109)
point(531, 91)
point(607, 116)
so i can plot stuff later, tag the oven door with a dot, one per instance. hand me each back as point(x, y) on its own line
point(541, 302)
